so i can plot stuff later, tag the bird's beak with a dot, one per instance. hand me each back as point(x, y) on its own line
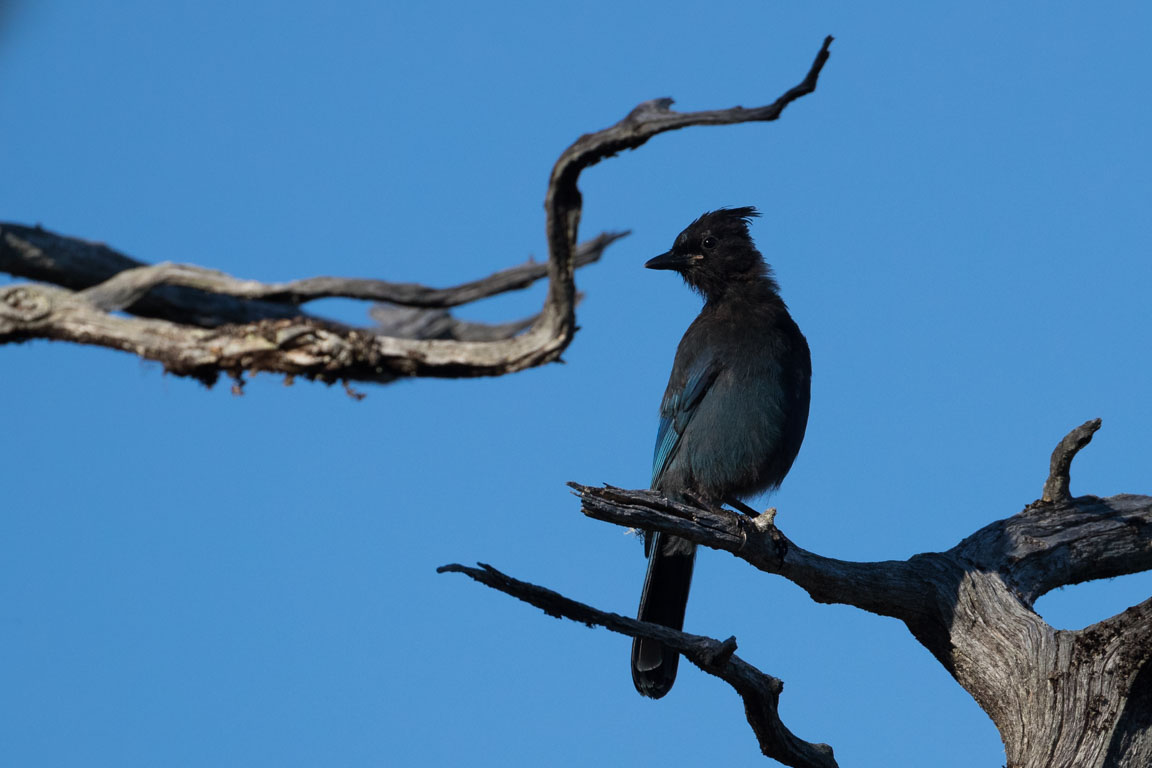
point(670, 260)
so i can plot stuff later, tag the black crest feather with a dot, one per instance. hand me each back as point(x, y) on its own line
point(726, 218)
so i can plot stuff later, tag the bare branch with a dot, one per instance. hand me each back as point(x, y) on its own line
point(37, 254)
point(654, 117)
point(300, 346)
point(883, 587)
point(759, 691)
point(197, 296)
point(416, 323)
point(1056, 486)
point(1060, 540)
point(129, 286)
point(1047, 546)
point(316, 348)
point(413, 295)
point(1043, 547)
point(296, 347)
point(113, 281)
point(109, 281)
point(1037, 550)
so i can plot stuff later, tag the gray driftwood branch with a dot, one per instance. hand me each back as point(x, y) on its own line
point(760, 692)
point(112, 280)
point(1060, 699)
point(201, 323)
point(205, 298)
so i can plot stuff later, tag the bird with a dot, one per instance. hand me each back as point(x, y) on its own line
point(733, 415)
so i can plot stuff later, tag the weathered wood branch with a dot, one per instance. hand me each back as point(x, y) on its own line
point(195, 296)
point(416, 323)
point(1079, 699)
point(760, 692)
point(1056, 486)
point(126, 288)
point(758, 541)
point(37, 254)
point(252, 320)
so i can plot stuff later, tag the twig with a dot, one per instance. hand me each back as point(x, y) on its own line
point(760, 691)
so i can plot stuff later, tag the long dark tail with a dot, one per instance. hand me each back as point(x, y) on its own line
point(663, 601)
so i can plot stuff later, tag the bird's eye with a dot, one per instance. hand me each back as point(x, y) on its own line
point(709, 242)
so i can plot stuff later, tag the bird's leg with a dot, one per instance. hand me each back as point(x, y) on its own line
point(740, 506)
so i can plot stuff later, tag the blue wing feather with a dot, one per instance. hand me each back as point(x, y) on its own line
point(677, 410)
point(666, 439)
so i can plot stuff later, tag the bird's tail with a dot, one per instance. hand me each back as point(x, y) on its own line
point(663, 601)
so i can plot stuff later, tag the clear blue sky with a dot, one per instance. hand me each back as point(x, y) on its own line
point(959, 221)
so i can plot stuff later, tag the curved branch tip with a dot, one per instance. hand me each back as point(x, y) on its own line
point(1056, 486)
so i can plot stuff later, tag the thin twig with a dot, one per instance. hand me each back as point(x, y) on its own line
point(760, 691)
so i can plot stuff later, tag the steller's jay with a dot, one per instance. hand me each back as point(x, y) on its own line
point(733, 415)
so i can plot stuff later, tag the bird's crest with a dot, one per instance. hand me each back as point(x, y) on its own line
point(726, 219)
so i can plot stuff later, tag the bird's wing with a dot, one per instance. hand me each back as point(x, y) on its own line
point(677, 410)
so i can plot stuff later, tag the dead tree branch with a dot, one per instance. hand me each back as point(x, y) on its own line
point(171, 305)
point(1056, 486)
point(257, 327)
point(760, 692)
point(1059, 698)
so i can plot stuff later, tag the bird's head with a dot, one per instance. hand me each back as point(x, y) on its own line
point(715, 252)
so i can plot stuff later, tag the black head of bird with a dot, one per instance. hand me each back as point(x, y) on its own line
point(715, 253)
